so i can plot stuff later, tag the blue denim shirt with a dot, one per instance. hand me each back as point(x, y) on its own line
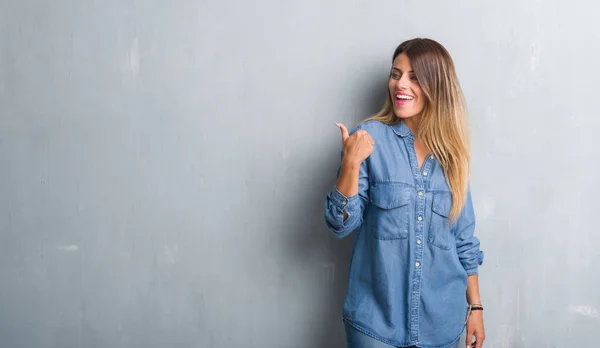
point(408, 274)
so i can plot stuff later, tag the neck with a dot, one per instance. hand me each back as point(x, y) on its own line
point(413, 123)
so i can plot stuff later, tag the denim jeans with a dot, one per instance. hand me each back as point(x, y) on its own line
point(357, 339)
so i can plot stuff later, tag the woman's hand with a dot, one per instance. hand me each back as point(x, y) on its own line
point(356, 147)
point(475, 329)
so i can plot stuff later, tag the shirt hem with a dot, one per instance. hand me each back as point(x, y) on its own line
point(399, 344)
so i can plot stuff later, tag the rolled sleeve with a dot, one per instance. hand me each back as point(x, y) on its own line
point(335, 204)
point(467, 244)
point(341, 201)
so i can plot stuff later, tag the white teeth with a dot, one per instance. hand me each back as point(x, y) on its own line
point(400, 96)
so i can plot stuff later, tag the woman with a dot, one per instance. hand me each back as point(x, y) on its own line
point(403, 187)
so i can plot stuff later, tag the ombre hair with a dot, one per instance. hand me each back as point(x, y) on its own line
point(443, 126)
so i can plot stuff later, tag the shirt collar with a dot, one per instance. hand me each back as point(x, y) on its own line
point(402, 129)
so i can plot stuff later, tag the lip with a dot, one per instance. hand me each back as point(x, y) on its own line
point(402, 101)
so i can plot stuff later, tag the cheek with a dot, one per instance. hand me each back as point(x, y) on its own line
point(418, 91)
point(391, 85)
point(420, 95)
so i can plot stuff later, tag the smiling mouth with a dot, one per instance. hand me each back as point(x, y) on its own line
point(403, 97)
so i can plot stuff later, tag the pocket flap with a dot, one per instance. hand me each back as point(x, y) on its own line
point(389, 196)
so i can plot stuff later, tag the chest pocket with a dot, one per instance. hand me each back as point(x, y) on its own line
point(389, 211)
point(439, 230)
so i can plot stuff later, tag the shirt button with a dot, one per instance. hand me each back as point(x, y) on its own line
point(425, 173)
point(420, 193)
point(417, 264)
point(418, 241)
point(420, 218)
point(344, 202)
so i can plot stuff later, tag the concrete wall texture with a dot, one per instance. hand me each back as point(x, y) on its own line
point(163, 165)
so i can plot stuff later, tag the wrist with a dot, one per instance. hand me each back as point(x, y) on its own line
point(350, 164)
point(475, 307)
point(473, 299)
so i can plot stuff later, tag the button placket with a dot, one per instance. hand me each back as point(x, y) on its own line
point(415, 287)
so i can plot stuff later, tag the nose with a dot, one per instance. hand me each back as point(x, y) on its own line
point(401, 82)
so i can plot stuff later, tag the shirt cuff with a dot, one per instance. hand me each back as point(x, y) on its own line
point(479, 260)
point(341, 201)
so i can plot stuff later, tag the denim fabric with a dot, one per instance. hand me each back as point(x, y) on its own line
point(409, 267)
point(358, 339)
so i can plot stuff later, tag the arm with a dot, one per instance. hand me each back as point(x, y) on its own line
point(473, 297)
point(471, 257)
point(345, 204)
point(475, 327)
point(467, 244)
point(347, 183)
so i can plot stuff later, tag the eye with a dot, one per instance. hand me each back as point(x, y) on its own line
point(414, 78)
point(395, 75)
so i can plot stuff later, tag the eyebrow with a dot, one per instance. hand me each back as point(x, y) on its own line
point(394, 68)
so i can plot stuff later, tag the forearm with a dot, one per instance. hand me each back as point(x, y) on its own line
point(473, 296)
point(347, 182)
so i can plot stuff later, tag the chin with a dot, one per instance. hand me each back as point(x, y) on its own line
point(404, 115)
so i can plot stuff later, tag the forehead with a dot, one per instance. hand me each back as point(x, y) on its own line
point(402, 62)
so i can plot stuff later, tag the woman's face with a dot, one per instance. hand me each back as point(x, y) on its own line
point(406, 93)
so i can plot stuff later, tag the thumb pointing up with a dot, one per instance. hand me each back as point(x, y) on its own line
point(344, 131)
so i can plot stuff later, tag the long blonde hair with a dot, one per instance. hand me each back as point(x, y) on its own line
point(443, 125)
